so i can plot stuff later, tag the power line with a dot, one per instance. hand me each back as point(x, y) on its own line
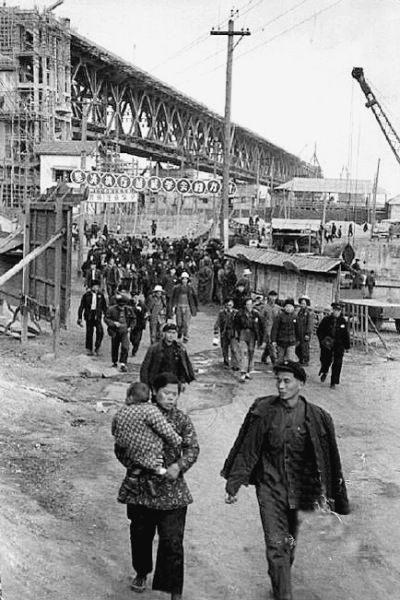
point(278, 35)
point(260, 28)
point(202, 37)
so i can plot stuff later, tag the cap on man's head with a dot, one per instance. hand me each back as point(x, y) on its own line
point(95, 282)
point(169, 327)
point(184, 274)
point(337, 305)
point(158, 288)
point(246, 272)
point(291, 367)
point(272, 293)
point(288, 301)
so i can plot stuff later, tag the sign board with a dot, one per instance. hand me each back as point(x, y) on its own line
point(102, 182)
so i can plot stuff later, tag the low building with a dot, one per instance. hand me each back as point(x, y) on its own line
point(394, 208)
point(59, 159)
point(290, 275)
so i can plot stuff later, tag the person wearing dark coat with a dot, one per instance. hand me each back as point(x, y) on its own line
point(168, 355)
point(93, 307)
point(286, 447)
point(185, 304)
point(249, 333)
point(305, 328)
point(120, 318)
point(139, 308)
point(284, 335)
point(334, 340)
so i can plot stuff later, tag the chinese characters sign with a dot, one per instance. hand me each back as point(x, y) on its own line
point(114, 183)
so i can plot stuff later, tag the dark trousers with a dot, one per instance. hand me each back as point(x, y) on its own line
point(280, 525)
point(93, 325)
point(170, 526)
point(229, 343)
point(303, 352)
point(120, 340)
point(332, 357)
point(270, 351)
point(136, 337)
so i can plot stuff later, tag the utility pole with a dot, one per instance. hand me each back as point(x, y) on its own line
point(224, 222)
point(374, 192)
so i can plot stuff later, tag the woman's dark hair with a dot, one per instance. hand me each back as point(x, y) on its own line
point(163, 379)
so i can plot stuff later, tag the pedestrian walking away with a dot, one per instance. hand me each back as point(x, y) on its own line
point(334, 340)
point(287, 449)
point(185, 305)
point(165, 511)
point(93, 307)
point(225, 327)
point(120, 318)
point(370, 283)
point(168, 355)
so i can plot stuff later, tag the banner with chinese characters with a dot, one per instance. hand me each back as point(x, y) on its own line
point(120, 183)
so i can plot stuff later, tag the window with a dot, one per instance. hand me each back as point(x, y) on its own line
point(62, 175)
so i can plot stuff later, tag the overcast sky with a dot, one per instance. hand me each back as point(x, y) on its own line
point(291, 80)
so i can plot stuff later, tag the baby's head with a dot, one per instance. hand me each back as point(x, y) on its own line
point(137, 393)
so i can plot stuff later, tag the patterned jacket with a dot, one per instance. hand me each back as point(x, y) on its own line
point(240, 467)
point(284, 329)
point(170, 493)
point(141, 430)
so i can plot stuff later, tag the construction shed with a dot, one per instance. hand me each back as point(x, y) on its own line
point(289, 275)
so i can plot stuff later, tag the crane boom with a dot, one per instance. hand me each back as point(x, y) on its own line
point(383, 121)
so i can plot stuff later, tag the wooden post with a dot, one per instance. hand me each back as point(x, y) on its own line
point(82, 211)
point(25, 272)
point(57, 275)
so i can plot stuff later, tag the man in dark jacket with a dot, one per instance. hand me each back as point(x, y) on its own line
point(137, 329)
point(225, 327)
point(334, 339)
point(287, 448)
point(284, 335)
point(185, 304)
point(93, 306)
point(249, 332)
point(168, 355)
point(120, 318)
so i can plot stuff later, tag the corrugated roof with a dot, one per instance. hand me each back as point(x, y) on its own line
point(13, 241)
point(71, 148)
point(267, 256)
point(296, 224)
point(330, 186)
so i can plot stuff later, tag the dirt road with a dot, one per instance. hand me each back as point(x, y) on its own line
point(64, 536)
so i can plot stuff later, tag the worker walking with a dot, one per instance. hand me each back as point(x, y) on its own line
point(334, 340)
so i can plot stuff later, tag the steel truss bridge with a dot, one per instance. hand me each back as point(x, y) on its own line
point(143, 116)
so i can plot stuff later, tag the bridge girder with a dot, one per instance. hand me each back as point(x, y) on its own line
point(143, 116)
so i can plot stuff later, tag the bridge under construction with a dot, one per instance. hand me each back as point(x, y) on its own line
point(53, 80)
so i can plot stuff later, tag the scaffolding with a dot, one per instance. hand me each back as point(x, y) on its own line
point(35, 96)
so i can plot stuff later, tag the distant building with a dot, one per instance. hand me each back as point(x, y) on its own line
point(59, 159)
point(394, 208)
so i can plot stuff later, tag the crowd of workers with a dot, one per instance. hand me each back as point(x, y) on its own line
point(132, 281)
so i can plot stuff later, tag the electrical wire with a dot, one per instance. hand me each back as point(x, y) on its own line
point(260, 28)
point(201, 38)
point(278, 35)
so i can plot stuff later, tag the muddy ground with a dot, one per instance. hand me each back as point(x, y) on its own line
point(64, 536)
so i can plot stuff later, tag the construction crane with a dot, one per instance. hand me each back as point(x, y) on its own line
point(380, 115)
